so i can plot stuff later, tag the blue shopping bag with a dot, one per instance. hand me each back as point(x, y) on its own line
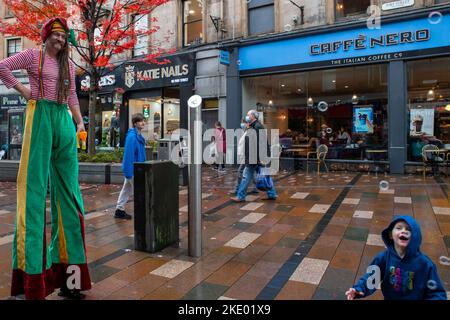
point(263, 182)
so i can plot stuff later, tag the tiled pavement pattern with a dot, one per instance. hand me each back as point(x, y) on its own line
point(314, 242)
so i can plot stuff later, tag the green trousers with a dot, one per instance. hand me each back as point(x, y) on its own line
point(48, 151)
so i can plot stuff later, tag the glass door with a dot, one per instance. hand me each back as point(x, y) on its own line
point(15, 133)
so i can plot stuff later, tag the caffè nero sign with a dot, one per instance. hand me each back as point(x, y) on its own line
point(364, 42)
point(139, 75)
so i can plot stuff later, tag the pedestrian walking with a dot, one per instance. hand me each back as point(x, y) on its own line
point(221, 143)
point(252, 160)
point(134, 152)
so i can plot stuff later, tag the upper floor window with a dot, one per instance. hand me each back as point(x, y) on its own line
point(13, 46)
point(192, 22)
point(141, 45)
point(349, 8)
point(261, 17)
point(8, 13)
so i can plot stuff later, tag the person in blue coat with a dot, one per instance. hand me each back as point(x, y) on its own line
point(405, 273)
point(134, 152)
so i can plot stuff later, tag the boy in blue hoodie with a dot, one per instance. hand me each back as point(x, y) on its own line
point(405, 272)
point(134, 152)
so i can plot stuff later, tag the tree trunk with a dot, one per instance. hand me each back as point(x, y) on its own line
point(92, 108)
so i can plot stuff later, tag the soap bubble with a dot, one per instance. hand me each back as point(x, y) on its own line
point(322, 106)
point(384, 185)
point(329, 130)
point(432, 285)
point(444, 260)
point(435, 14)
point(238, 62)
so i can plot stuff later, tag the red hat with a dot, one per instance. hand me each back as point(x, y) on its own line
point(54, 24)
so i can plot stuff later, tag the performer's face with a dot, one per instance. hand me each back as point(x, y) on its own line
point(57, 40)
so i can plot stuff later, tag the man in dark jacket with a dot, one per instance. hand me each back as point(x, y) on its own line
point(255, 139)
point(134, 152)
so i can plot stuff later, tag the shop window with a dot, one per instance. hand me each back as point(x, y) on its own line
point(428, 106)
point(141, 46)
point(151, 109)
point(344, 108)
point(13, 46)
point(192, 22)
point(261, 18)
point(349, 8)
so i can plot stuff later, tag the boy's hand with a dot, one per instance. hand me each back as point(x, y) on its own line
point(352, 293)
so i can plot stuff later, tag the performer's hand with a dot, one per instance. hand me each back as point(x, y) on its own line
point(80, 127)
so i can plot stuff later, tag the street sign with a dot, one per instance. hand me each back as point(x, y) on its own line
point(224, 57)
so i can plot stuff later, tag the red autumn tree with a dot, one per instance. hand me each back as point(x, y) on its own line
point(104, 29)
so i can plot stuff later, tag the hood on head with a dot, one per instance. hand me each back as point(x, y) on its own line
point(416, 235)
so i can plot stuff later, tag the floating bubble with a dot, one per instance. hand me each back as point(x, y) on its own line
point(322, 106)
point(384, 185)
point(435, 14)
point(432, 285)
point(444, 260)
point(288, 27)
point(329, 130)
point(238, 62)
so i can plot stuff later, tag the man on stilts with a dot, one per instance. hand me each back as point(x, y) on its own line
point(48, 151)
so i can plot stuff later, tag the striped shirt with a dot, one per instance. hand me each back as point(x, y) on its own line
point(29, 60)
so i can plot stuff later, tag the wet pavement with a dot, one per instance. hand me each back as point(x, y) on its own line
point(313, 242)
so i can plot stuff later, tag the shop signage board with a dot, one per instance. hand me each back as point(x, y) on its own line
point(12, 101)
point(397, 4)
point(396, 40)
point(140, 75)
point(224, 57)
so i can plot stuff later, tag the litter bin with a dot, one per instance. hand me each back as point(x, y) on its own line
point(156, 210)
point(165, 147)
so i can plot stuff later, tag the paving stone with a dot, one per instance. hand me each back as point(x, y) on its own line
point(172, 268)
point(350, 201)
point(358, 234)
point(319, 208)
point(363, 214)
point(206, 291)
point(284, 208)
point(252, 206)
point(300, 195)
point(253, 217)
point(441, 210)
point(242, 225)
point(242, 240)
point(375, 240)
point(402, 200)
point(310, 271)
point(313, 197)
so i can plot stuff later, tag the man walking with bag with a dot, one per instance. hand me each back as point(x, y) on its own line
point(254, 137)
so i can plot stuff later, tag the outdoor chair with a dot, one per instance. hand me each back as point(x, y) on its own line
point(320, 155)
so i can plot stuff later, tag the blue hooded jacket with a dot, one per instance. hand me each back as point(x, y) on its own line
point(134, 152)
point(412, 278)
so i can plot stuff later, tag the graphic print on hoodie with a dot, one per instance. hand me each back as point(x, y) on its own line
point(413, 277)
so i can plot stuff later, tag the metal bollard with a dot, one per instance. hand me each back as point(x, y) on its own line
point(195, 177)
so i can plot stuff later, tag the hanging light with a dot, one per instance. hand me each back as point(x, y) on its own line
point(310, 102)
point(355, 99)
point(430, 95)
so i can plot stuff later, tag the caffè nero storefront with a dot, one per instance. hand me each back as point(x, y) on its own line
point(367, 94)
